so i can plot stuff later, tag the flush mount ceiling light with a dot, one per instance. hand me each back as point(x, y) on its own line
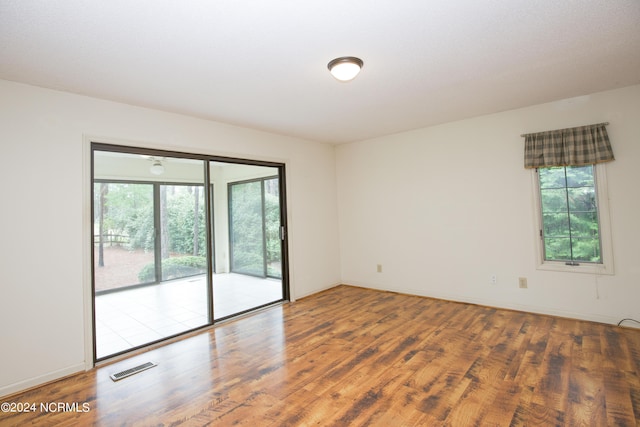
point(345, 68)
point(156, 168)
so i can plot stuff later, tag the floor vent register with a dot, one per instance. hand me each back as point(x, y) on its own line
point(128, 372)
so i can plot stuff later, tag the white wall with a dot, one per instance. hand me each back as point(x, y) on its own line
point(44, 215)
point(440, 208)
point(443, 208)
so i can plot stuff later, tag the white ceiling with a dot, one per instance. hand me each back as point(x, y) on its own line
point(262, 63)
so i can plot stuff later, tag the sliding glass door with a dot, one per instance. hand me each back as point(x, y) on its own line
point(252, 235)
point(150, 251)
point(161, 222)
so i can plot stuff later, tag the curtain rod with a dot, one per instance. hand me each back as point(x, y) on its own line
point(530, 133)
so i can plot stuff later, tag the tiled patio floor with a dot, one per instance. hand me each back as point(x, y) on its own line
point(134, 317)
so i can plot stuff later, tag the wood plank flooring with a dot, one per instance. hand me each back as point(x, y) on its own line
point(351, 356)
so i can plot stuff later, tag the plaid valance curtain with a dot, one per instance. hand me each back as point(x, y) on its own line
point(583, 145)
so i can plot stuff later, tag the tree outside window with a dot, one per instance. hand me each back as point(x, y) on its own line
point(570, 224)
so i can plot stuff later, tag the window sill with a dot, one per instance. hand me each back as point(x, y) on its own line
point(599, 269)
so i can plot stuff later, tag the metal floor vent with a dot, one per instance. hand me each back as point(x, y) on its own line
point(127, 373)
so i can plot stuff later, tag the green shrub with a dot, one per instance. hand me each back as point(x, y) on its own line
point(175, 268)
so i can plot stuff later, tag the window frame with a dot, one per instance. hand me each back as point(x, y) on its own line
point(602, 197)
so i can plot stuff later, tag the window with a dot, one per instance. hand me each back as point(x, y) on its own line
point(254, 227)
point(570, 227)
point(573, 221)
point(571, 199)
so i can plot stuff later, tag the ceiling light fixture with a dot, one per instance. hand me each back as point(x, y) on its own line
point(345, 68)
point(156, 168)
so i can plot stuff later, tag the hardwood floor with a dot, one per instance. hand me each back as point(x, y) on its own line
point(351, 356)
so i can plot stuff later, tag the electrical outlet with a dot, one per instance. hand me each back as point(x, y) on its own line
point(493, 279)
point(522, 282)
point(379, 268)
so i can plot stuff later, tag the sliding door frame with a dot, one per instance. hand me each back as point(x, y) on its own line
point(94, 146)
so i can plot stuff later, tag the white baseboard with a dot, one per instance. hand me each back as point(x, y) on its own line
point(40, 380)
point(591, 317)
